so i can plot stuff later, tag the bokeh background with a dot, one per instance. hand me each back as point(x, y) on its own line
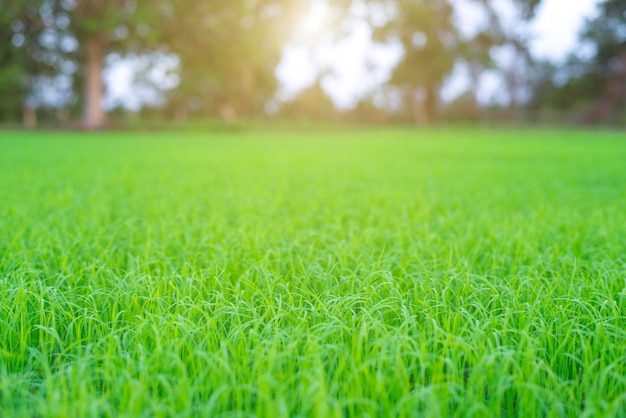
point(119, 63)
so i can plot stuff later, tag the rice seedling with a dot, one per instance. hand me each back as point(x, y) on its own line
point(392, 273)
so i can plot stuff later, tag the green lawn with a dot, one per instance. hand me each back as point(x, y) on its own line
point(384, 273)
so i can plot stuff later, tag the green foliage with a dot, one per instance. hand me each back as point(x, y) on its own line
point(576, 94)
point(599, 84)
point(312, 103)
point(125, 25)
point(230, 49)
point(527, 7)
point(392, 273)
point(608, 33)
point(430, 41)
point(22, 56)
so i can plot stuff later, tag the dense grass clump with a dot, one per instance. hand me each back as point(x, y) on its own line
point(393, 273)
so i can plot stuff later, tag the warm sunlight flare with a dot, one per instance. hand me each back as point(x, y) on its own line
point(316, 22)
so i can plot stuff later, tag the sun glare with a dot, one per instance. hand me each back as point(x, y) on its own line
point(316, 22)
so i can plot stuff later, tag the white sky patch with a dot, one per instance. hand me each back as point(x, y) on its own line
point(469, 17)
point(134, 81)
point(296, 71)
point(558, 25)
point(316, 21)
point(118, 78)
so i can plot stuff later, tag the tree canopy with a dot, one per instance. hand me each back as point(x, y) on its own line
point(228, 51)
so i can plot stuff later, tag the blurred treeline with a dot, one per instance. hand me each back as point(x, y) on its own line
point(219, 60)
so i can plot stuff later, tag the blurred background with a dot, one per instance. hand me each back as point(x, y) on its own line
point(95, 64)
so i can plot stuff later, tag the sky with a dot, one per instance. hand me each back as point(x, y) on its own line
point(358, 66)
point(558, 24)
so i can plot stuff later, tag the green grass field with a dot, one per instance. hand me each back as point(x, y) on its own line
point(391, 273)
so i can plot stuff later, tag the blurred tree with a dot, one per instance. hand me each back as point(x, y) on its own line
point(229, 50)
point(607, 34)
point(595, 87)
point(311, 103)
point(28, 50)
point(430, 40)
point(508, 27)
point(105, 26)
point(367, 112)
point(14, 62)
point(476, 52)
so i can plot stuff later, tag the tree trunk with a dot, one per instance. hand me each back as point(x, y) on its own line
point(416, 105)
point(29, 117)
point(431, 104)
point(475, 75)
point(248, 82)
point(181, 112)
point(512, 86)
point(63, 114)
point(94, 116)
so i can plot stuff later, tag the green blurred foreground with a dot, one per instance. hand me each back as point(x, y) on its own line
point(391, 273)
